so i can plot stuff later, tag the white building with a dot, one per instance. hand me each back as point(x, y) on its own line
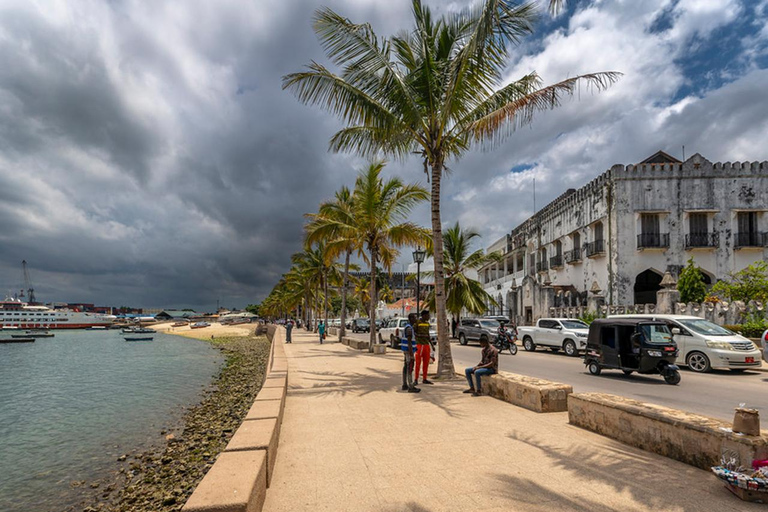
point(612, 240)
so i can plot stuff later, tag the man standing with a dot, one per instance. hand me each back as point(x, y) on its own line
point(321, 331)
point(288, 329)
point(489, 364)
point(408, 346)
point(422, 347)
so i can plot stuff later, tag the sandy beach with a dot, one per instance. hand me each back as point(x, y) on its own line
point(205, 333)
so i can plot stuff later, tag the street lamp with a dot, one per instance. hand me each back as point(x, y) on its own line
point(418, 259)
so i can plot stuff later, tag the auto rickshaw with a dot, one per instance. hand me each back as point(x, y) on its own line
point(632, 345)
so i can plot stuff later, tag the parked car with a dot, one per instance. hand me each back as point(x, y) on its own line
point(391, 332)
point(704, 345)
point(499, 318)
point(476, 329)
point(556, 334)
point(361, 325)
point(764, 341)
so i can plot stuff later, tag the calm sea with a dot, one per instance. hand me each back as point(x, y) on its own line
point(70, 405)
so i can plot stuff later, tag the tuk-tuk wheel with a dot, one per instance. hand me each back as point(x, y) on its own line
point(672, 378)
point(594, 368)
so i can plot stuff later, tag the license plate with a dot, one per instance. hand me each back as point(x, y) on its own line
point(749, 360)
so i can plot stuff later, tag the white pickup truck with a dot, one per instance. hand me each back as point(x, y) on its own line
point(555, 334)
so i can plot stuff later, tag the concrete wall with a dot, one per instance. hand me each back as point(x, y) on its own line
point(534, 394)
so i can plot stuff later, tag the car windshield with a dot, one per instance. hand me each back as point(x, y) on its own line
point(705, 327)
point(656, 333)
point(574, 324)
point(489, 324)
point(361, 321)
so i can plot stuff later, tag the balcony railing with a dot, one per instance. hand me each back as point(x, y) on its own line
point(652, 240)
point(541, 266)
point(573, 255)
point(595, 248)
point(556, 261)
point(698, 240)
point(751, 239)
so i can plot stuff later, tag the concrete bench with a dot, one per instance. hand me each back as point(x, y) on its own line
point(256, 435)
point(696, 440)
point(358, 344)
point(380, 348)
point(535, 394)
point(237, 482)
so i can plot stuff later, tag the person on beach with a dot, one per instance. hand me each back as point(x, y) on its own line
point(489, 364)
point(321, 331)
point(408, 346)
point(288, 329)
point(423, 347)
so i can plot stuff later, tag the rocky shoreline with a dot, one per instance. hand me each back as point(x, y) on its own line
point(162, 479)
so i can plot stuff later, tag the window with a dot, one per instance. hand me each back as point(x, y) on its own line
point(697, 224)
point(649, 224)
point(597, 231)
point(650, 232)
point(747, 234)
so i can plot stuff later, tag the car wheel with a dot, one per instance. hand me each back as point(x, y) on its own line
point(462, 339)
point(698, 362)
point(594, 368)
point(528, 344)
point(570, 348)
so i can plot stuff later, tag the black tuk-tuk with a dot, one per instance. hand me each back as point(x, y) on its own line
point(632, 345)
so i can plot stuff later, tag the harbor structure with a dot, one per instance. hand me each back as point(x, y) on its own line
point(612, 241)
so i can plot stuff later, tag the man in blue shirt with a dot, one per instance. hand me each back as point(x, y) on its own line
point(321, 331)
point(408, 346)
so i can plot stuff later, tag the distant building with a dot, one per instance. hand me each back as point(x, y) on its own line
point(175, 314)
point(611, 241)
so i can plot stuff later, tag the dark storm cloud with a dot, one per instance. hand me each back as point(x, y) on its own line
point(149, 156)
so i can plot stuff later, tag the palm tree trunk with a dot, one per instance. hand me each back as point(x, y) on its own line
point(445, 361)
point(373, 301)
point(343, 327)
point(325, 305)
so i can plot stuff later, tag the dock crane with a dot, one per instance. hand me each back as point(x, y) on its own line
point(27, 284)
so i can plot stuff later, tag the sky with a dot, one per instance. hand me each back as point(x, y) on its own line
point(150, 158)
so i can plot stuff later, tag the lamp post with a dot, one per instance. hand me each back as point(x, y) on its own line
point(418, 259)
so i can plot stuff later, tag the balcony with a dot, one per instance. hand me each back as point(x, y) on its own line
point(750, 239)
point(541, 266)
point(573, 256)
point(701, 240)
point(653, 240)
point(596, 248)
point(556, 261)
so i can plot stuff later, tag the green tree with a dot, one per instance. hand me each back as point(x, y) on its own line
point(253, 308)
point(435, 90)
point(750, 283)
point(463, 292)
point(691, 283)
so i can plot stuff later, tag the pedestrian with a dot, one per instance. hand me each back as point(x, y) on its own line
point(408, 346)
point(321, 331)
point(453, 326)
point(423, 347)
point(288, 329)
point(489, 364)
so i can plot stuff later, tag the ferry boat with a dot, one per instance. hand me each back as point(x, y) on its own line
point(15, 314)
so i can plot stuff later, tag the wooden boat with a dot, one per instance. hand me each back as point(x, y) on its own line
point(200, 325)
point(36, 334)
point(180, 324)
point(16, 339)
point(139, 338)
point(143, 330)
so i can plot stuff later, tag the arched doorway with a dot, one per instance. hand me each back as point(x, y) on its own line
point(647, 283)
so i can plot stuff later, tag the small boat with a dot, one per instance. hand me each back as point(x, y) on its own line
point(180, 324)
point(96, 328)
point(16, 339)
point(36, 334)
point(127, 330)
point(200, 325)
point(139, 338)
point(143, 330)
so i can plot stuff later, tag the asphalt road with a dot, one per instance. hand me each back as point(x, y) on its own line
point(713, 394)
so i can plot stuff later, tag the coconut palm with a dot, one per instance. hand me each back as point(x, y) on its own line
point(435, 90)
point(319, 271)
point(463, 293)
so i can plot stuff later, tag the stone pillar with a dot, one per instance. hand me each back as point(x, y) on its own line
point(668, 297)
point(595, 299)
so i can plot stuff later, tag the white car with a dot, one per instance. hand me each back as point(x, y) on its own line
point(392, 331)
point(703, 345)
point(567, 334)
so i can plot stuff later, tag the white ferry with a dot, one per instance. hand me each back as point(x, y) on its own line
point(15, 314)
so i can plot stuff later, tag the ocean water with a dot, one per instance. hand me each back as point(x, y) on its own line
point(70, 405)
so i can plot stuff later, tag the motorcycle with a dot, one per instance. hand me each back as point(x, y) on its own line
point(505, 341)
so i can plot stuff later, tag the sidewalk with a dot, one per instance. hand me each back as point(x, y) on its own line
point(351, 442)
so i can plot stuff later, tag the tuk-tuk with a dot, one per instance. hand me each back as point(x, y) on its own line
point(632, 345)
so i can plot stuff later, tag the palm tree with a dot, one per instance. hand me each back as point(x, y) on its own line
point(462, 292)
point(435, 90)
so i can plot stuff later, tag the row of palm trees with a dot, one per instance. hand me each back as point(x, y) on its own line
point(436, 90)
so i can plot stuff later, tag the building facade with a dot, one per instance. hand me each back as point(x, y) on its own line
point(611, 241)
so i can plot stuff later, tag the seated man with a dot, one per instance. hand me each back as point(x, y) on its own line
point(489, 364)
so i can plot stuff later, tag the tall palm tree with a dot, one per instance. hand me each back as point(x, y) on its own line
point(436, 90)
point(319, 271)
point(338, 238)
point(463, 293)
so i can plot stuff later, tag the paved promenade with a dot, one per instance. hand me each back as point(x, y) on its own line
point(351, 441)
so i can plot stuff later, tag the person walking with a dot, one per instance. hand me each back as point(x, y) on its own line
point(422, 347)
point(489, 364)
point(288, 329)
point(408, 346)
point(321, 331)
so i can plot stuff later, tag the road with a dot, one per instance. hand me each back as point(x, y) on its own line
point(712, 394)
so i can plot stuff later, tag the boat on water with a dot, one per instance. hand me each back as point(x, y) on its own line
point(143, 330)
point(37, 333)
point(200, 325)
point(17, 339)
point(15, 314)
point(139, 338)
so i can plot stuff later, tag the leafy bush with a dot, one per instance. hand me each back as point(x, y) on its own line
point(750, 283)
point(750, 329)
point(588, 317)
point(691, 283)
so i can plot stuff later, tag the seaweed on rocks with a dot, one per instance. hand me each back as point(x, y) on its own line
point(162, 480)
